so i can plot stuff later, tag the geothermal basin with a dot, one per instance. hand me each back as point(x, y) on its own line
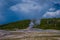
point(32, 34)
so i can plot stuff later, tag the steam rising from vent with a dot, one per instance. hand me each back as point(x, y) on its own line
point(37, 22)
point(33, 23)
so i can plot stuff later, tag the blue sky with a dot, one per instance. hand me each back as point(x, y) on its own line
point(14, 10)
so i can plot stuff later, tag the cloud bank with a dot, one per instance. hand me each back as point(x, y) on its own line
point(52, 14)
point(32, 8)
point(29, 8)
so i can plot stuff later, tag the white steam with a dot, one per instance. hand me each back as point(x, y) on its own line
point(31, 25)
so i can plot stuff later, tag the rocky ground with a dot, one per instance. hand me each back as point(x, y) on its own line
point(33, 34)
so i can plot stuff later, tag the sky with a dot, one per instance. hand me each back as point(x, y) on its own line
point(15, 10)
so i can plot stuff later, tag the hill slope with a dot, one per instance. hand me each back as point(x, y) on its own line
point(51, 23)
point(16, 25)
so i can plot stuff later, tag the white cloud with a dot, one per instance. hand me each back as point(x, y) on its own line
point(28, 9)
point(52, 14)
point(26, 6)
